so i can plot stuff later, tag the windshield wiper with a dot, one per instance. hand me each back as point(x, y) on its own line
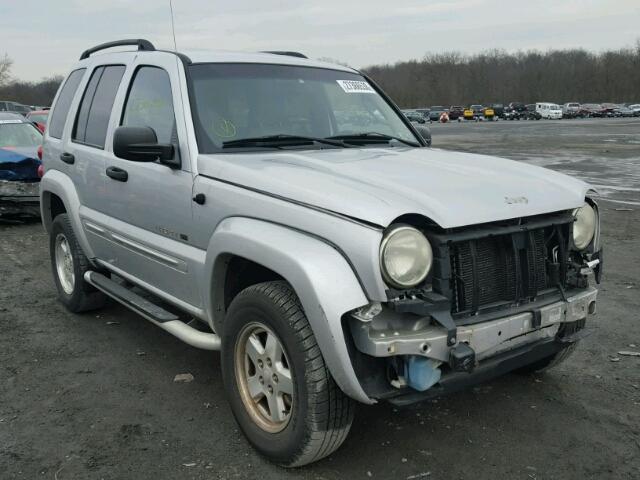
point(374, 137)
point(281, 140)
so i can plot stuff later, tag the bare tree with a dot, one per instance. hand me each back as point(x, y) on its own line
point(497, 76)
point(5, 69)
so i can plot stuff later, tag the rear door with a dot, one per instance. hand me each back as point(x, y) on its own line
point(84, 153)
point(149, 206)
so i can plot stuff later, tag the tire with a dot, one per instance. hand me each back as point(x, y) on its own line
point(319, 414)
point(74, 293)
point(541, 366)
point(551, 361)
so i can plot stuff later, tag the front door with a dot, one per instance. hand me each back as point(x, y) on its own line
point(149, 203)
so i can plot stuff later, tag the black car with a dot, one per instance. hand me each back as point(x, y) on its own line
point(515, 111)
point(530, 112)
point(498, 109)
point(436, 111)
point(414, 116)
point(594, 110)
point(424, 112)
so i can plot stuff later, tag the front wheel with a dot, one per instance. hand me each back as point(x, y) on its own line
point(547, 363)
point(278, 385)
point(551, 361)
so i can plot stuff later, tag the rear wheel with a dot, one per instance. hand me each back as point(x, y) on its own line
point(69, 264)
point(278, 385)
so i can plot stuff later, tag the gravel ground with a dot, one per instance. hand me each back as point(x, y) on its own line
point(92, 396)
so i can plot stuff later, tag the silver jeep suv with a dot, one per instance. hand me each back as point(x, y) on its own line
point(283, 211)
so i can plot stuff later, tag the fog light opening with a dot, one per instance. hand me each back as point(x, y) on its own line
point(592, 307)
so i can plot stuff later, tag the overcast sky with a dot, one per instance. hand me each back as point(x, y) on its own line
point(46, 37)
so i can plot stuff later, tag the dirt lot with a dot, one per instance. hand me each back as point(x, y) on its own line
point(92, 396)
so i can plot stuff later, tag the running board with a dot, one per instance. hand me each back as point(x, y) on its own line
point(155, 314)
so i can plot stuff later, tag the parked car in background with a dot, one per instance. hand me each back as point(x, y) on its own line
point(549, 110)
point(39, 118)
point(530, 112)
point(623, 111)
point(489, 114)
point(424, 112)
point(456, 112)
point(498, 109)
point(514, 111)
point(594, 110)
point(474, 112)
point(469, 114)
point(635, 107)
point(609, 109)
point(571, 110)
point(15, 107)
point(436, 111)
point(20, 151)
point(414, 116)
point(517, 106)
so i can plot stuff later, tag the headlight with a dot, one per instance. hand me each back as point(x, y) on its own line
point(584, 226)
point(405, 257)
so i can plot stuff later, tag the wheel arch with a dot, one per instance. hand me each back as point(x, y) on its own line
point(322, 278)
point(59, 195)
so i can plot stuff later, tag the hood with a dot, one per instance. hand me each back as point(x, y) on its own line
point(378, 185)
point(19, 164)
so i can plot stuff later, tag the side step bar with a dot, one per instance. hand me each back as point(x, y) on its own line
point(154, 313)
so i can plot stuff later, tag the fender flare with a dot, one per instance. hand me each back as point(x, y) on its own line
point(61, 185)
point(319, 274)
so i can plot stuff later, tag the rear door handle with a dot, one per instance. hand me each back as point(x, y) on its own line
point(117, 174)
point(67, 157)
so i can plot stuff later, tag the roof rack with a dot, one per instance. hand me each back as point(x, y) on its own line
point(142, 44)
point(288, 54)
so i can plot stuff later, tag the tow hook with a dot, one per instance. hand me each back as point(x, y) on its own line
point(462, 358)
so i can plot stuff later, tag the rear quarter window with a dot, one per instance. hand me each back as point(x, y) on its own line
point(61, 109)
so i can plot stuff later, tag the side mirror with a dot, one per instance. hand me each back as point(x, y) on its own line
point(425, 133)
point(140, 144)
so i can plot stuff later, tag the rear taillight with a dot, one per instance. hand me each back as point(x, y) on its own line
point(40, 152)
point(40, 171)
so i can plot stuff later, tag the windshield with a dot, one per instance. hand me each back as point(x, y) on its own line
point(19, 135)
point(242, 101)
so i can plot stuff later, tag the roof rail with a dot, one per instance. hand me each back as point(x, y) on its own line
point(288, 54)
point(142, 44)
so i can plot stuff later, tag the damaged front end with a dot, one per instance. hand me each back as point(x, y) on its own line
point(19, 200)
point(499, 297)
point(19, 185)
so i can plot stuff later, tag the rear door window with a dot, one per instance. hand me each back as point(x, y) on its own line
point(93, 115)
point(61, 109)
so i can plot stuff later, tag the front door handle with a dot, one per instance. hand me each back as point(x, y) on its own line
point(117, 174)
point(67, 157)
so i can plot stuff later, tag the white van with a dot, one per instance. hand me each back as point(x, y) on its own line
point(549, 110)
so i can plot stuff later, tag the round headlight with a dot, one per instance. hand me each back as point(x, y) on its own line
point(584, 226)
point(405, 257)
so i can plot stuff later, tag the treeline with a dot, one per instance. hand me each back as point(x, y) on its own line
point(497, 76)
point(31, 93)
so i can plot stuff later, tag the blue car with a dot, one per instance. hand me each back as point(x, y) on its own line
point(20, 141)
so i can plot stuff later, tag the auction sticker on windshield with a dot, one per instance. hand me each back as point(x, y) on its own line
point(355, 86)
